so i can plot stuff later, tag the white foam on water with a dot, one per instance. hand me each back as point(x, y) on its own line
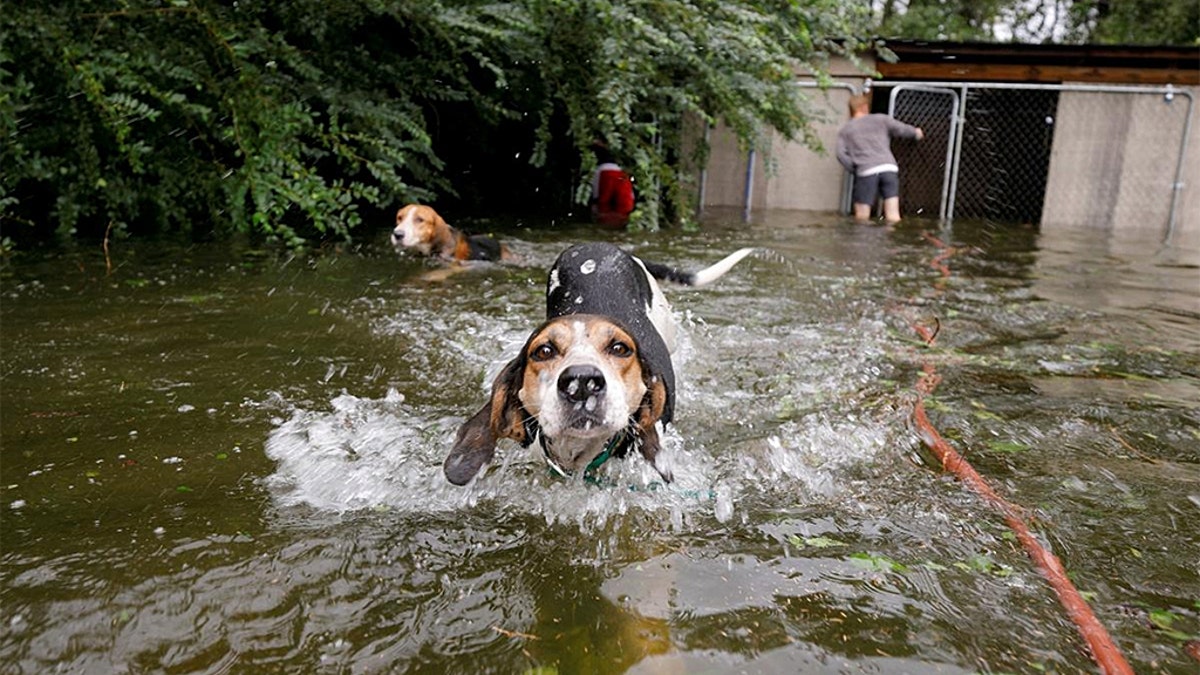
point(386, 453)
point(383, 453)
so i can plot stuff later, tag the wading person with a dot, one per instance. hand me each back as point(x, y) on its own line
point(864, 147)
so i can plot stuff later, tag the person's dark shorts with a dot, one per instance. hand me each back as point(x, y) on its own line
point(866, 188)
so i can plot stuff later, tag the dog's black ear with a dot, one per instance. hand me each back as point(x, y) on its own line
point(501, 417)
point(650, 411)
point(473, 447)
point(509, 419)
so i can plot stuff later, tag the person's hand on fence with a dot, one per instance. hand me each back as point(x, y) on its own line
point(920, 134)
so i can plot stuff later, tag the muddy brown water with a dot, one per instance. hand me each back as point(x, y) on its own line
point(221, 459)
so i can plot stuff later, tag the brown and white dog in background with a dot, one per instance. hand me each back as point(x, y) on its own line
point(419, 228)
point(596, 377)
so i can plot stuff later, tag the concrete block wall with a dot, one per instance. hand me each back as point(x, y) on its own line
point(788, 174)
point(1113, 162)
point(725, 178)
point(800, 178)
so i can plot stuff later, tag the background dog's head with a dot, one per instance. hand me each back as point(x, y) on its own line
point(579, 381)
point(418, 227)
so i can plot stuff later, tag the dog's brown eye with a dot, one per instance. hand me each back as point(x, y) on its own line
point(544, 352)
point(619, 348)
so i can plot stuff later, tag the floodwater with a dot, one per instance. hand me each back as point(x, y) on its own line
point(220, 459)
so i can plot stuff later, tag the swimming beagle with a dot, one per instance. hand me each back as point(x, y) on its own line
point(421, 229)
point(595, 378)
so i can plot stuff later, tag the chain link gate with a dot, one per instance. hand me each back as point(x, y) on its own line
point(926, 166)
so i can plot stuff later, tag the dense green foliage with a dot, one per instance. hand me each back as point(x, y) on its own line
point(295, 119)
point(1129, 22)
point(170, 117)
point(292, 118)
point(1155, 22)
point(961, 20)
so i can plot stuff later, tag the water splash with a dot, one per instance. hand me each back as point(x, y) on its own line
point(771, 404)
point(386, 453)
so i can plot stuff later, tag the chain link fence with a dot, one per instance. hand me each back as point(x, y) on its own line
point(1074, 154)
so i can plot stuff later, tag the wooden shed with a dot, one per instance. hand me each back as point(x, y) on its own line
point(1045, 64)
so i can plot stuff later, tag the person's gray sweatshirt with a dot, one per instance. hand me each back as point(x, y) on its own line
point(865, 142)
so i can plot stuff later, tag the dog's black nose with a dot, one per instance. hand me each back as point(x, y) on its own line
point(579, 383)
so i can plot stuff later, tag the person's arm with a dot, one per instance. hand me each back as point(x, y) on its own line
point(843, 153)
point(899, 129)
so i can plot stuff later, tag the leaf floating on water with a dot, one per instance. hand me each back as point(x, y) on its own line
point(1163, 620)
point(814, 542)
point(983, 563)
point(878, 563)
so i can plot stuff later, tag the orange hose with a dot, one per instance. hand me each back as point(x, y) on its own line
point(1104, 651)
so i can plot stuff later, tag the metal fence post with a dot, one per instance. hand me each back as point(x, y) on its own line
point(1177, 186)
point(749, 194)
point(958, 141)
point(703, 187)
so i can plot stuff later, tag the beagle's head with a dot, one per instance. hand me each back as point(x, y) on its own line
point(418, 227)
point(579, 382)
point(583, 380)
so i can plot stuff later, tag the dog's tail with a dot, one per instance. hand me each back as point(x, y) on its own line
point(703, 277)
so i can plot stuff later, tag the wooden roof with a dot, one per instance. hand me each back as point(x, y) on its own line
point(1004, 62)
